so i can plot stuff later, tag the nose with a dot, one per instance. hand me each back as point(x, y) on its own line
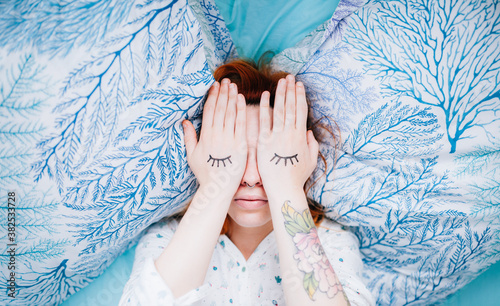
point(251, 177)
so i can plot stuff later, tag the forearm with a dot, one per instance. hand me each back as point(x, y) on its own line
point(184, 262)
point(308, 277)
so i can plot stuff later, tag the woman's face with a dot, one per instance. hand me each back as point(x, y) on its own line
point(249, 206)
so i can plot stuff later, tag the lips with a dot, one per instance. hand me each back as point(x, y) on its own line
point(251, 198)
point(250, 202)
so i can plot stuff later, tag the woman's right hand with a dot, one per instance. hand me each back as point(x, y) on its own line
point(184, 262)
point(220, 154)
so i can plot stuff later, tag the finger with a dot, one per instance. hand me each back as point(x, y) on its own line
point(189, 137)
point(241, 118)
point(301, 120)
point(279, 106)
point(265, 117)
point(209, 108)
point(231, 110)
point(290, 102)
point(220, 108)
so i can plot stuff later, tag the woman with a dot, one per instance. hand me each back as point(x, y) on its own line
point(252, 160)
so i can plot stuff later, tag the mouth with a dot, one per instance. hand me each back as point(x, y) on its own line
point(250, 203)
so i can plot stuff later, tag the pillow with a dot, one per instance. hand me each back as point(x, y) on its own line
point(92, 96)
point(413, 88)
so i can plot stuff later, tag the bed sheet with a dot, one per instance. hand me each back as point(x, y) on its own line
point(92, 144)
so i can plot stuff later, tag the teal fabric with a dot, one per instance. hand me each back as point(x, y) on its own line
point(257, 26)
point(481, 291)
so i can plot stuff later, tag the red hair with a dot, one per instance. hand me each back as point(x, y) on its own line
point(251, 80)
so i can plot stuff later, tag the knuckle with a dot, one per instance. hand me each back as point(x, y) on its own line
point(214, 90)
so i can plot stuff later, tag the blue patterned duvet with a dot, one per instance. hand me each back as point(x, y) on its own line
point(92, 95)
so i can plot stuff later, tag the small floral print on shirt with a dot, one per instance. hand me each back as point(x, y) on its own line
point(278, 279)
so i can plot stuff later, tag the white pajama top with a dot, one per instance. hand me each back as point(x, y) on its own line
point(232, 280)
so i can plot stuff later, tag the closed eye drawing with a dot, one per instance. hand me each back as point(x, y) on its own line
point(219, 160)
point(291, 158)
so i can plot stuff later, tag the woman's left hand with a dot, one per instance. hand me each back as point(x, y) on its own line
point(287, 152)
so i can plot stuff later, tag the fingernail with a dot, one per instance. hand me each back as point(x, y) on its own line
point(215, 84)
point(232, 86)
point(225, 81)
point(300, 84)
point(290, 77)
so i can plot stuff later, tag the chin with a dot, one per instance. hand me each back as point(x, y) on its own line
point(249, 217)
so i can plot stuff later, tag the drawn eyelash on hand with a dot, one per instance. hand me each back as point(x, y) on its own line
point(218, 160)
point(285, 158)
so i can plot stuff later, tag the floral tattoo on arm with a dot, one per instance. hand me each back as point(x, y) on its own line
point(311, 258)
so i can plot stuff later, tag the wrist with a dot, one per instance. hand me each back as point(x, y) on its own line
point(278, 196)
point(208, 206)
